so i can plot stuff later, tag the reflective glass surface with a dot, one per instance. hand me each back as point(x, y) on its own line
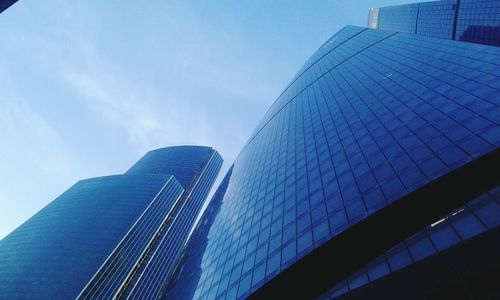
point(141, 264)
point(402, 18)
point(116, 269)
point(479, 22)
point(110, 236)
point(436, 19)
point(197, 244)
point(433, 19)
point(475, 21)
point(155, 270)
point(372, 116)
point(59, 249)
point(183, 162)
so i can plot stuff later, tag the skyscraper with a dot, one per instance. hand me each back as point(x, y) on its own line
point(110, 236)
point(377, 166)
point(475, 21)
point(373, 175)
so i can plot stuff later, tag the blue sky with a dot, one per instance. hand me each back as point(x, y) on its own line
point(87, 87)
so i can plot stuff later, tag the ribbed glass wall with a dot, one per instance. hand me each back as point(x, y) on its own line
point(475, 21)
point(108, 235)
point(193, 254)
point(148, 283)
point(59, 249)
point(478, 21)
point(372, 117)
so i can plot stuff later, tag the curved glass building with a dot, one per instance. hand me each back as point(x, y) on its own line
point(112, 236)
point(374, 175)
point(379, 156)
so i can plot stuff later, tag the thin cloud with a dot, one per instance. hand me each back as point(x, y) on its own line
point(149, 123)
point(32, 155)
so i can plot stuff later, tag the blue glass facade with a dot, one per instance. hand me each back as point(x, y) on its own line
point(478, 21)
point(95, 240)
point(373, 117)
point(436, 19)
point(193, 254)
point(475, 21)
point(401, 18)
point(149, 280)
point(183, 162)
point(470, 220)
point(59, 249)
point(386, 141)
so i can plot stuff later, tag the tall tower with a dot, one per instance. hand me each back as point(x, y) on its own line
point(107, 235)
point(474, 21)
point(377, 168)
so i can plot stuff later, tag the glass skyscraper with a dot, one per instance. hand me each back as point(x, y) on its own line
point(112, 236)
point(375, 174)
point(476, 21)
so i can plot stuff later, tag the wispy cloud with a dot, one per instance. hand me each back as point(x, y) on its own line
point(32, 156)
point(87, 81)
point(148, 122)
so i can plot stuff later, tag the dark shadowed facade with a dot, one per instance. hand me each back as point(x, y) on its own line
point(4, 4)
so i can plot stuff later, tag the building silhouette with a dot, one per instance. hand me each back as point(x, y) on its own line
point(111, 236)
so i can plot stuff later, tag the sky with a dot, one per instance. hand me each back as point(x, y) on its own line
point(87, 87)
